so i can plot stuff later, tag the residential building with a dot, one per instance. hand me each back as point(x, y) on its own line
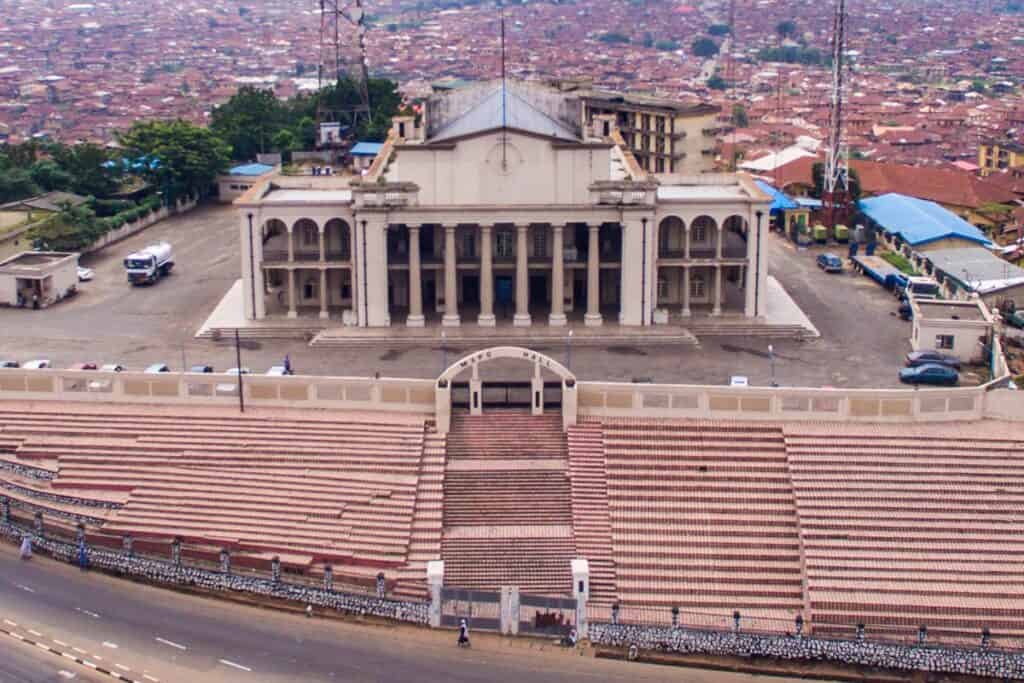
point(998, 155)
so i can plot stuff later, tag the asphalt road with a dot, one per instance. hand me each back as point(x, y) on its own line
point(151, 634)
point(22, 663)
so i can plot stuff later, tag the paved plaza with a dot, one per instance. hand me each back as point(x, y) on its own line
point(861, 344)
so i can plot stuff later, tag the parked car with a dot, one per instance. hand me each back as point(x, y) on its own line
point(157, 368)
point(1015, 319)
point(85, 274)
point(915, 358)
point(739, 381)
point(278, 371)
point(37, 365)
point(112, 367)
point(238, 371)
point(830, 263)
point(231, 389)
point(930, 373)
point(9, 364)
point(201, 369)
point(83, 366)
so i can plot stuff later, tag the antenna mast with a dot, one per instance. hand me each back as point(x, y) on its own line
point(504, 112)
point(836, 195)
point(342, 31)
point(730, 79)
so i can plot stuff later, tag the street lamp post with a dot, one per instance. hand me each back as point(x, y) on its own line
point(568, 351)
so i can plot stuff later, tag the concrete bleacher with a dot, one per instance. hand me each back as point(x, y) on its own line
point(912, 525)
point(507, 504)
point(702, 518)
point(310, 487)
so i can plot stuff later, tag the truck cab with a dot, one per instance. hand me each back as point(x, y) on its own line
point(150, 264)
point(921, 287)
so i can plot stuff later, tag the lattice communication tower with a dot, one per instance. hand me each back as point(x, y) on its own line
point(342, 54)
point(836, 198)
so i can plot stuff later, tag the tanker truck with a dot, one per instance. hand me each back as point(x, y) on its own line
point(150, 264)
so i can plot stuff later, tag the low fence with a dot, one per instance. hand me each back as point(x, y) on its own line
point(919, 657)
point(353, 393)
point(129, 229)
point(611, 399)
point(174, 572)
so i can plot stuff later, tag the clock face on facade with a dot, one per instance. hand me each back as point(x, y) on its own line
point(503, 158)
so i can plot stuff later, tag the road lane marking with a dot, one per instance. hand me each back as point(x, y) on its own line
point(171, 643)
point(25, 588)
point(87, 613)
point(122, 667)
point(35, 633)
point(66, 674)
point(10, 623)
point(112, 646)
point(60, 642)
point(228, 662)
point(150, 678)
point(79, 650)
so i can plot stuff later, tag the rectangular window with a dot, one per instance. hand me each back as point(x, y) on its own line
point(309, 236)
point(944, 341)
point(697, 288)
point(504, 244)
point(659, 166)
point(700, 233)
point(469, 245)
point(662, 289)
point(540, 242)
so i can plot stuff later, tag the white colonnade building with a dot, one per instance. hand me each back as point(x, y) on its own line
point(501, 208)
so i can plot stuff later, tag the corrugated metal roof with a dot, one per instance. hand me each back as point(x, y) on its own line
point(918, 221)
point(518, 113)
point(780, 200)
point(978, 268)
point(250, 169)
point(366, 149)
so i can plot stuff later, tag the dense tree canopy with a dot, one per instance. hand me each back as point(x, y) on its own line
point(182, 158)
point(704, 47)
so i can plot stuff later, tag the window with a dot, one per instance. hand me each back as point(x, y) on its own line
point(944, 341)
point(662, 289)
point(659, 166)
point(698, 289)
point(540, 242)
point(346, 290)
point(504, 244)
point(309, 290)
point(309, 235)
point(700, 233)
point(469, 245)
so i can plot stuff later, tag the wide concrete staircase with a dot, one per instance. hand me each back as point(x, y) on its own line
point(588, 476)
point(507, 512)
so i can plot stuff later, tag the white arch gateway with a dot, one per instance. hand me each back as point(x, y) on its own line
point(473, 362)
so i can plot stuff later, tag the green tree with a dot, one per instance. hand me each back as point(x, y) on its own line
point(719, 29)
point(249, 121)
point(285, 142)
point(818, 177)
point(184, 158)
point(716, 82)
point(613, 37)
point(15, 184)
point(73, 229)
point(739, 116)
point(785, 29)
point(704, 47)
point(48, 175)
point(86, 164)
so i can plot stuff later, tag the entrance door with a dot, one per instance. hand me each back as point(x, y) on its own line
point(470, 289)
point(504, 291)
point(538, 290)
point(429, 295)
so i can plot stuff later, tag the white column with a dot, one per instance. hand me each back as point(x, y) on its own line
point(252, 266)
point(557, 317)
point(451, 292)
point(638, 274)
point(686, 292)
point(718, 242)
point(371, 270)
point(593, 315)
point(486, 317)
point(522, 317)
point(686, 242)
point(415, 318)
point(292, 313)
point(291, 245)
point(324, 314)
point(717, 307)
point(323, 247)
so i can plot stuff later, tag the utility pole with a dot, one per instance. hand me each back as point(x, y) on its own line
point(238, 366)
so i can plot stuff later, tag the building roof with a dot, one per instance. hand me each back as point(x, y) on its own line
point(780, 201)
point(773, 160)
point(366, 149)
point(49, 201)
point(503, 108)
point(918, 221)
point(977, 268)
point(250, 169)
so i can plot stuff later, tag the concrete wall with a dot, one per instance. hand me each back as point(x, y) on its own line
point(471, 173)
point(967, 335)
point(129, 229)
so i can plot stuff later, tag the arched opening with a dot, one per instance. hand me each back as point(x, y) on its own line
point(703, 237)
point(550, 385)
point(337, 240)
point(735, 231)
point(671, 237)
point(306, 240)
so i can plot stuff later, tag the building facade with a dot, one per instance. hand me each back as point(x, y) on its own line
point(503, 209)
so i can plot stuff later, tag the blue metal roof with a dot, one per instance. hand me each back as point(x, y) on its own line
point(918, 221)
point(366, 149)
point(780, 200)
point(251, 169)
